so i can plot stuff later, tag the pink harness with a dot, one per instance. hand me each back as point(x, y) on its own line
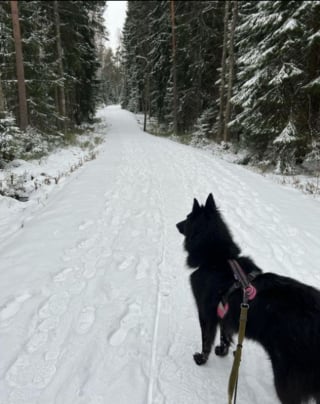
point(249, 291)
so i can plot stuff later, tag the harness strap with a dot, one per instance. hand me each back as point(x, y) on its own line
point(250, 292)
point(237, 285)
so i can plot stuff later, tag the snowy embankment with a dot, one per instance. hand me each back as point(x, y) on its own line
point(32, 181)
point(95, 303)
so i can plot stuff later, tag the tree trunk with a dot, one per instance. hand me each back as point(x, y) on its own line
point(23, 110)
point(61, 93)
point(231, 71)
point(174, 69)
point(223, 71)
point(2, 101)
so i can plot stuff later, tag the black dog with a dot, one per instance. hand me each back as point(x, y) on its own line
point(284, 316)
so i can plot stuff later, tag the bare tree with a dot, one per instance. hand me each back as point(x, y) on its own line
point(61, 93)
point(231, 70)
point(223, 71)
point(23, 110)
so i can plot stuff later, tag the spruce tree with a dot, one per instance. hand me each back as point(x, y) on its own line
point(270, 76)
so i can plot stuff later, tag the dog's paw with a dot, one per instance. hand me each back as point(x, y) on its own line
point(200, 358)
point(221, 350)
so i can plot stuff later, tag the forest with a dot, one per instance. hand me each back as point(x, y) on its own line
point(243, 74)
point(246, 73)
point(49, 58)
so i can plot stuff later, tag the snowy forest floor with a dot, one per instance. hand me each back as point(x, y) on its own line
point(95, 302)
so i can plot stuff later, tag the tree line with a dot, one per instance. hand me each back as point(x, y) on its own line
point(246, 73)
point(49, 59)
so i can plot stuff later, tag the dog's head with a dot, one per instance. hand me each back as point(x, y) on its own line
point(207, 237)
point(197, 216)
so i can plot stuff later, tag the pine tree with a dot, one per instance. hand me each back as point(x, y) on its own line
point(199, 40)
point(159, 56)
point(80, 22)
point(270, 74)
point(136, 44)
point(38, 34)
point(49, 65)
point(309, 13)
point(111, 78)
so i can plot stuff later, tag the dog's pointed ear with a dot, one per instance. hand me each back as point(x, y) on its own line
point(196, 206)
point(210, 204)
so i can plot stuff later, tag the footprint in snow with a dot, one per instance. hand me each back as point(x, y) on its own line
point(37, 341)
point(129, 321)
point(48, 324)
point(89, 272)
point(11, 308)
point(86, 243)
point(30, 372)
point(86, 319)
point(62, 276)
point(142, 267)
point(55, 306)
point(84, 225)
point(127, 263)
point(68, 280)
point(76, 287)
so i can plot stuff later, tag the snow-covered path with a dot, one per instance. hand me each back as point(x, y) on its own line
point(95, 303)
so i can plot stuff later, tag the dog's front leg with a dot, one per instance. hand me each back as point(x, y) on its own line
point(225, 340)
point(208, 332)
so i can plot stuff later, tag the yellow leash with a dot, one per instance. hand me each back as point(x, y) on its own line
point(233, 379)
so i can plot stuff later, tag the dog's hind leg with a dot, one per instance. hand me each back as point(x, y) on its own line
point(288, 397)
point(225, 340)
point(208, 332)
point(287, 391)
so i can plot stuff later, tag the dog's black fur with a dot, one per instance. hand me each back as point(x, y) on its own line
point(284, 317)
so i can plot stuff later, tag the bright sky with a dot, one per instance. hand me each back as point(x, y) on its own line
point(115, 15)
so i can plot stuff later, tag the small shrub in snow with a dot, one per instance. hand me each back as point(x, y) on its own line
point(312, 160)
point(286, 149)
point(11, 139)
point(15, 144)
point(203, 128)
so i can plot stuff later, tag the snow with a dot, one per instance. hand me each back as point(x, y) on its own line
point(290, 25)
point(314, 84)
point(314, 37)
point(288, 135)
point(95, 302)
point(288, 70)
point(34, 180)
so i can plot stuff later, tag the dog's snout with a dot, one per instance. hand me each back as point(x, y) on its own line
point(181, 226)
